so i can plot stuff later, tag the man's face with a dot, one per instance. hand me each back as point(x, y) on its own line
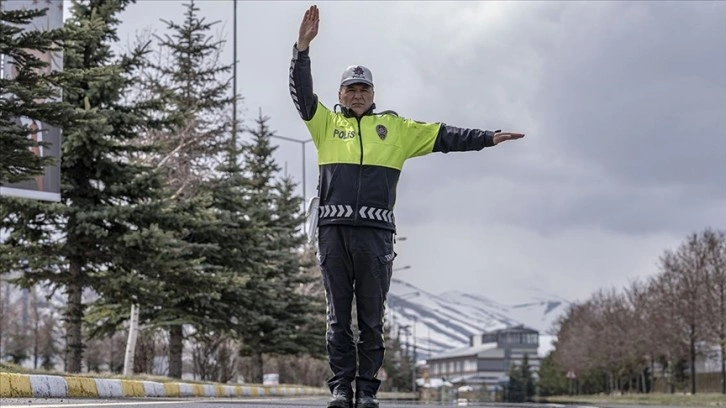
point(356, 97)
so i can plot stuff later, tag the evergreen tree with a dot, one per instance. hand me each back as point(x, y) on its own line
point(189, 73)
point(302, 320)
point(513, 392)
point(234, 248)
point(103, 231)
point(397, 365)
point(521, 384)
point(528, 388)
point(28, 92)
point(283, 318)
point(552, 379)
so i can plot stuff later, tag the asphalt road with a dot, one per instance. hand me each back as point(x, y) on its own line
point(243, 403)
point(199, 403)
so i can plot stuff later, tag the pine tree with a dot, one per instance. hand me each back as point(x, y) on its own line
point(189, 73)
point(260, 170)
point(397, 365)
point(303, 318)
point(27, 93)
point(513, 392)
point(102, 233)
point(521, 384)
point(528, 388)
point(284, 319)
point(234, 246)
point(552, 379)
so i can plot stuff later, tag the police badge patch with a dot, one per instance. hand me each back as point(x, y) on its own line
point(382, 131)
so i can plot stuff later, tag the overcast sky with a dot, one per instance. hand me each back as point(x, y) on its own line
point(623, 105)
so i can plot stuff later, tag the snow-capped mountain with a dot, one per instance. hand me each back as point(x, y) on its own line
point(438, 322)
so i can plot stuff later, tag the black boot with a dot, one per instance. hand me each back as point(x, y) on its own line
point(365, 400)
point(342, 398)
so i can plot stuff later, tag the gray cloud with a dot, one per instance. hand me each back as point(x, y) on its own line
point(623, 103)
point(624, 114)
point(640, 91)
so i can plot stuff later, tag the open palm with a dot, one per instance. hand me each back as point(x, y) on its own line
point(309, 27)
point(500, 136)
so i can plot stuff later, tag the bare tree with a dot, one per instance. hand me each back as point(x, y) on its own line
point(4, 295)
point(146, 352)
point(671, 342)
point(105, 354)
point(638, 331)
point(576, 338)
point(303, 370)
point(668, 322)
point(37, 310)
point(610, 340)
point(715, 294)
point(17, 344)
point(214, 357)
point(49, 343)
point(683, 290)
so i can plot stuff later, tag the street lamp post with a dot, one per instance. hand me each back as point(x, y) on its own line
point(302, 144)
point(401, 297)
point(411, 330)
point(234, 78)
point(393, 316)
point(413, 368)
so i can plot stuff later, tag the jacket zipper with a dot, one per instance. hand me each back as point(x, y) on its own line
point(360, 172)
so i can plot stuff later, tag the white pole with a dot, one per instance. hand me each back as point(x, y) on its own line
point(131, 342)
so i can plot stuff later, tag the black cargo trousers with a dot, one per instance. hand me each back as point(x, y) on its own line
point(355, 261)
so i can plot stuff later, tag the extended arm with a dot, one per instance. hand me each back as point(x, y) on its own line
point(301, 78)
point(456, 139)
point(301, 83)
point(424, 138)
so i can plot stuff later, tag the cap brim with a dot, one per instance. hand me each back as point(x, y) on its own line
point(356, 81)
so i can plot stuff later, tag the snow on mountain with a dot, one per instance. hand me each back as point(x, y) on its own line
point(435, 323)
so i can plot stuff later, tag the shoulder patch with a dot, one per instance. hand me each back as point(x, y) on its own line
point(382, 132)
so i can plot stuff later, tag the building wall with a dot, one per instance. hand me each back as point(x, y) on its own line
point(511, 349)
point(453, 367)
point(516, 356)
point(489, 365)
point(472, 365)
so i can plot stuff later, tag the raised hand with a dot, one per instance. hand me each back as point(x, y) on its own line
point(500, 136)
point(308, 28)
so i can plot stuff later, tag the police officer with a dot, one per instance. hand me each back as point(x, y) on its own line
point(360, 157)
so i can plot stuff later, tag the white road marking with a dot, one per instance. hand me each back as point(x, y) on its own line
point(147, 402)
point(98, 404)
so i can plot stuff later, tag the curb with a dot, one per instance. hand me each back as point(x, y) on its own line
point(53, 386)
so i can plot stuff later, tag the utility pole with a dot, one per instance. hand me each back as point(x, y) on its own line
point(413, 368)
point(234, 78)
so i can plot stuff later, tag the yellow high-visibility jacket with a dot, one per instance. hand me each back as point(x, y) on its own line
point(360, 159)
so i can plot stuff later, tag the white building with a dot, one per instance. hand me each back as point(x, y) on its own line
point(488, 358)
